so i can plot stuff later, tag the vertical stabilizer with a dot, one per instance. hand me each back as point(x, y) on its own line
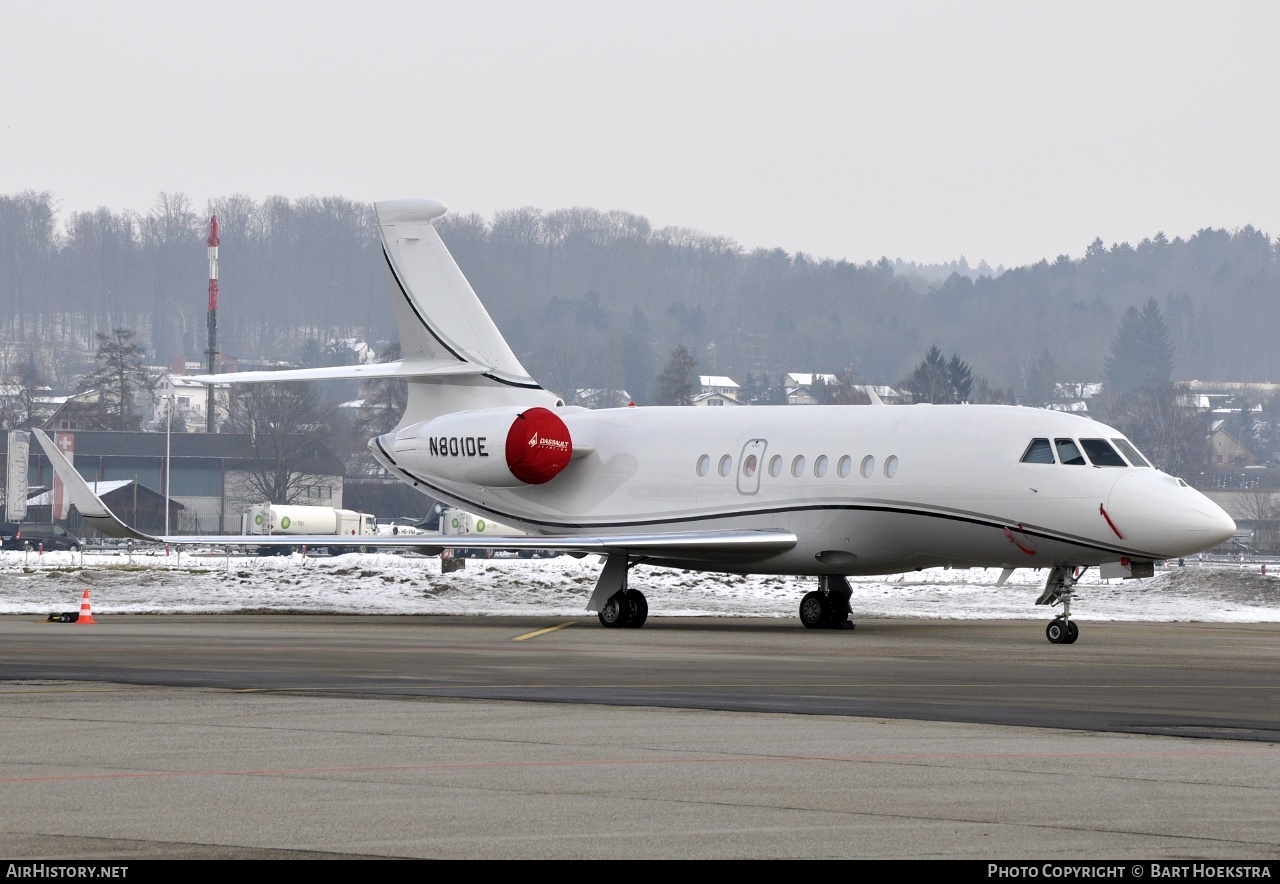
point(440, 318)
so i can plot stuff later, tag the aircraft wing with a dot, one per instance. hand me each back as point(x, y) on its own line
point(692, 546)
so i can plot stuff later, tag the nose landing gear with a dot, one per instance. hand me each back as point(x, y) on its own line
point(1062, 630)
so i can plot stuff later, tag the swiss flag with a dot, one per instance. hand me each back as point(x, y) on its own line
point(66, 443)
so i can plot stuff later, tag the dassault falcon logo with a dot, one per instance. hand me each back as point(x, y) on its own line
point(537, 441)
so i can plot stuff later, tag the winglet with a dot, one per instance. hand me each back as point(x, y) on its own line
point(92, 509)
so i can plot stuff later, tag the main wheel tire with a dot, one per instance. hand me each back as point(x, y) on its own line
point(639, 609)
point(815, 610)
point(1056, 631)
point(1073, 633)
point(616, 611)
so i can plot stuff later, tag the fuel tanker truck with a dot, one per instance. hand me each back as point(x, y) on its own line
point(274, 518)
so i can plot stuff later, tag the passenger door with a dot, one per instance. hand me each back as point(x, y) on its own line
point(750, 465)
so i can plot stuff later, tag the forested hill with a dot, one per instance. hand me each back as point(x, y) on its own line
point(599, 299)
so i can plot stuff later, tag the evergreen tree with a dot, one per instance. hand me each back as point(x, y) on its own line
point(1042, 379)
point(939, 380)
point(1141, 355)
point(959, 379)
point(675, 384)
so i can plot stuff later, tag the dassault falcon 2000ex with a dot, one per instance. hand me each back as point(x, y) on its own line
point(831, 492)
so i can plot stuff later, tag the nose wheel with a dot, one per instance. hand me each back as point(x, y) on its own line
point(1062, 630)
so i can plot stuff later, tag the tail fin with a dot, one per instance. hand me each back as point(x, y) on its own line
point(440, 319)
point(452, 354)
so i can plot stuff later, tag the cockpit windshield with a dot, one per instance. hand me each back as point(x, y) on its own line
point(1069, 453)
point(1039, 451)
point(1101, 454)
point(1127, 449)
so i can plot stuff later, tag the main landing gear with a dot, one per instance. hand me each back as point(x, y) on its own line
point(827, 607)
point(1062, 630)
point(617, 605)
point(627, 608)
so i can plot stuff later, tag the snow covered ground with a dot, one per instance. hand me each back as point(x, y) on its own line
point(559, 587)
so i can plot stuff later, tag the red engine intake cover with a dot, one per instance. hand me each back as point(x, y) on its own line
point(538, 446)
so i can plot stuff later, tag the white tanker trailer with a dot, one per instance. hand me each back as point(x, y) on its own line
point(274, 518)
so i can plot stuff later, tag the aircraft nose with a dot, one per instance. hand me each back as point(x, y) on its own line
point(1162, 515)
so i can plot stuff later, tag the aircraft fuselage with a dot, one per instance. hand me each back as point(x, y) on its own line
point(867, 489)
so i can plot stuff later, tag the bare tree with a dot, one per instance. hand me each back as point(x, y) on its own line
point(1262, 507)
point(119, 379)
point(844, 390)
point(1158, 420)
point(24, 408)
point(384, 399)
point(283, 422)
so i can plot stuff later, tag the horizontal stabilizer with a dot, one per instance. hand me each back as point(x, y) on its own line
point(400, 368)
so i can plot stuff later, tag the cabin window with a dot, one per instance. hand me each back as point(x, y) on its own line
point(704, 465)
point(775, 466)
point(749, 465)
point(1039, 451)
point(797, 466)
point(868, 466)
point(820, 466)
point(1127, 449)
point(845, 466)
point(726, 463)
point(1101, 453)
point(891, 466)
point(1068, 453)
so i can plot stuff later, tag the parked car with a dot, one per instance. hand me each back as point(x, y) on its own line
point(16, 535)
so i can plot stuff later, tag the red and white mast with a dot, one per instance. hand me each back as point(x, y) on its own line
point(212, 352)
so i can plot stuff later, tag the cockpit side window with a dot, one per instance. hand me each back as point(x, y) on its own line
point(1039, 451)
point(1068, 453)
point(1127, 449)
point(1101, 453)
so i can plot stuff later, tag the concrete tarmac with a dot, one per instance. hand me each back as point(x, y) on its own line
point(279, 736)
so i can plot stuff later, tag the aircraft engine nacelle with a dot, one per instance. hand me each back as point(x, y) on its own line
point(498, 448)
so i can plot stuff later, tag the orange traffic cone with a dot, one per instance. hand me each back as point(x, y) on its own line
point(86, 615)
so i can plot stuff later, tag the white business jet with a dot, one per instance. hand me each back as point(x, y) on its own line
point(830, 491)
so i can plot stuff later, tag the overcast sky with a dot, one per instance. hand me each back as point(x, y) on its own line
point(925, 131)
